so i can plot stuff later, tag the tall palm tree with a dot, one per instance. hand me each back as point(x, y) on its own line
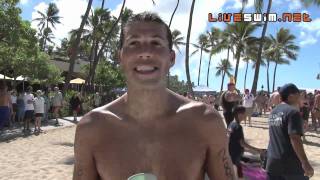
point(223, 68)
point(214, 38)
point(268, 57)
point(249, 55)
point(202, 46)
point(76, 45)
point(283, 49)
point(177, 40)
point(241, 36)
point(49, 17)
point(258, 6)
point(174, 11)
point(187, 48)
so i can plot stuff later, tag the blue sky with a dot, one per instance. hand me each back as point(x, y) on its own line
point(302, 72)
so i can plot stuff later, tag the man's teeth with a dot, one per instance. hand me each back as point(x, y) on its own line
point(145, 68)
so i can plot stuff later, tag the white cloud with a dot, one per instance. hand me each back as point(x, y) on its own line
point(70, 11)
point(237, 4)
point(314, 25)
point(308, 40)
point(294, 5)
point(24, 2)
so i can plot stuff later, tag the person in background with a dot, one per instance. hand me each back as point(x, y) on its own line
point(5, 104)
point(14, 107)
point(97, 100)
point(304, 111)
point(47, 105)
point(75, 104)
point(57, 103)
point(39, 109)
point(316, 111)
point(286, 158)
point(247, 102)
point(274, 99)
point(237, 144)
point(29, 109)
point(229, 99)
point(21, 107)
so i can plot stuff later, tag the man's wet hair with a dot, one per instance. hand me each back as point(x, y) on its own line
point(146, 17)
point(238, 110)
point(286, 90)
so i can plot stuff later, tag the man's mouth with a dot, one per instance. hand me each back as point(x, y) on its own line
point(145, 69)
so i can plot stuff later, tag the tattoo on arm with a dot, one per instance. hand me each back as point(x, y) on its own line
point(226, 165)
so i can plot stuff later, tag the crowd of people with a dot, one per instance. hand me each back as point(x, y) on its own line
point(19, 109)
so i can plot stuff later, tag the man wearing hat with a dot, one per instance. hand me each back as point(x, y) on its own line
point(287, 159)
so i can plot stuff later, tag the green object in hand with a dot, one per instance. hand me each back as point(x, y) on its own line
point(143, 176)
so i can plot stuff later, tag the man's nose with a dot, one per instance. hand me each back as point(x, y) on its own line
point(145, 52)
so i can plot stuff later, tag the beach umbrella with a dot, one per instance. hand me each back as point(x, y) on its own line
point(5, 77)
point(77, 81)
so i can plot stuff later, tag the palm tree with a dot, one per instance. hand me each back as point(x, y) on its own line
point(214, 38)
point(202, 46)
point(223, 68)
point(241, 37)
point(258, 6)
point(187, 48)
point(49, 17)
point(282, 47)
point(177, 39)
point(76, 45)
point(268, 56)
point(174, 11)
point(249, 55)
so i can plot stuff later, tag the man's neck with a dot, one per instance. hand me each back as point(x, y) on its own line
point(145, 105)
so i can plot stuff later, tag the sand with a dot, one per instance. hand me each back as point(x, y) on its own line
point(49, 156)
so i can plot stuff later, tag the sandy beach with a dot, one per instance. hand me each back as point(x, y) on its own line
point(49, 156)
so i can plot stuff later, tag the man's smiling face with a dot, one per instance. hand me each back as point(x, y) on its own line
point(145, 56)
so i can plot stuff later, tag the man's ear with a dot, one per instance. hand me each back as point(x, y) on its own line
point(172, 58)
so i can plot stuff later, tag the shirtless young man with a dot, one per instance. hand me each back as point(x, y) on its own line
point(151, 129)
point(274, 99)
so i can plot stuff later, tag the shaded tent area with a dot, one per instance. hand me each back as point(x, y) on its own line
point(202, 90)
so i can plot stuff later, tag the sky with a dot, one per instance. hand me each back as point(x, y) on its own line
point(301, 72)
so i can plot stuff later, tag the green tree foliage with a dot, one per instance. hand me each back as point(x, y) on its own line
point(178, 86)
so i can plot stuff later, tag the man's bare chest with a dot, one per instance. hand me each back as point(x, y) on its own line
point(166, 151)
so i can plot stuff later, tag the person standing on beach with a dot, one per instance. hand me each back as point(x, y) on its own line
point(304, 111)
point(229, 99)
point(151, 129)
point(75, 103)
point(96, 100)
point(316, 111)
point(39, 111)
point(274, 99)
point(286, 158)
point(14, 106)
point(29, 109)
point(247, 102)
point(57, 103)
point(5, 104)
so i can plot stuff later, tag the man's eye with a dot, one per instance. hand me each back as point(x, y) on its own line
point(155, 43)
point(132, 43)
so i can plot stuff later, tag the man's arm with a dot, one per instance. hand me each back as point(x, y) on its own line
point(84, 167)
point(249, 147)
point(218, 162)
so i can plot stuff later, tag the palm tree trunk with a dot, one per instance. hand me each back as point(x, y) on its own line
point(102, 4)
point(174, 11)
point(187, 49)
point(274, 76)
point(256, 72)
point(224, 73)
point(200, 66)
point(208, 70)
point(268, 83)
point(245, 76)
point(237, 66)
point(76, 45)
